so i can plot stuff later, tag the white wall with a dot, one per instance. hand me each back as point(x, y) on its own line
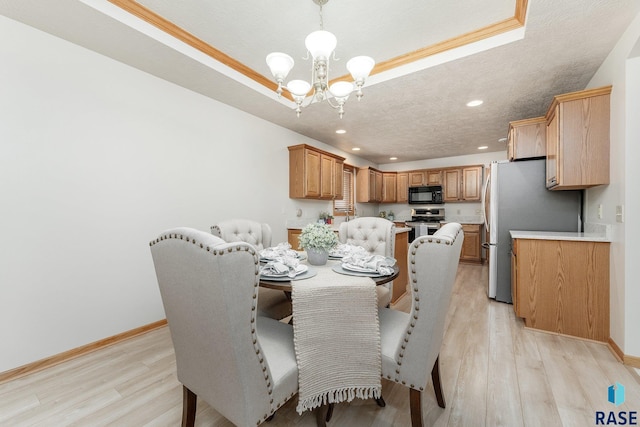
point(96, 159)
point(622, 71)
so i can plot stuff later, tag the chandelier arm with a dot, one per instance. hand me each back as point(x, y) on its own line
point(335, 107)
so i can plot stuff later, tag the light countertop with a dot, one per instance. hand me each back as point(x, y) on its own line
point(335, 227)
point(560, 235)
point(464, 220)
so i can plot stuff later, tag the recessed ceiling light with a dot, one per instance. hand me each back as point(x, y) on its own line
point(393, 158)
point(355, 149)
point(474, 103)
point(341, 131)
point(502, 140)
point(483, 147)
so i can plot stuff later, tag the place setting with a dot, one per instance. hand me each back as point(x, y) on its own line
point(282, 264)
point(356, 261)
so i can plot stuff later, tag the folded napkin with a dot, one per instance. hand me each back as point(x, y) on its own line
point(278, 268)
point(344, 249)
point(279, 251)
point(374, 263)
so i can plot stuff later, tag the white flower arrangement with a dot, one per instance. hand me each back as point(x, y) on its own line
point(318, 236)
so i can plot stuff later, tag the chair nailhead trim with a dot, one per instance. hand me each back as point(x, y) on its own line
point(251, 251)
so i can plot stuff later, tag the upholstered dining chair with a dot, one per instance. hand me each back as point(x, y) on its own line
point(378, 236)
point(273, 303)
point(241, 364)
point(410, 342)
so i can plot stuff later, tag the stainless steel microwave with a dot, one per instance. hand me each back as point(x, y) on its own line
point(426, 195)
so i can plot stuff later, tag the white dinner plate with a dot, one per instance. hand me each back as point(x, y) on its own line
point(307, 274)
point(299, 270)
point(339, 269)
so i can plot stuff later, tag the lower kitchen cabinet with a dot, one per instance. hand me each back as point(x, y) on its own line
point(562, 286)
point(293, 237)
point(401, 249)
point(472, 246)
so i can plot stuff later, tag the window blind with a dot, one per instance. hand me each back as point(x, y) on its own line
point(345, 205)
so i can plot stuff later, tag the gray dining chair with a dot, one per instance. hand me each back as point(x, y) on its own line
point(273, 303)
point(410, 342)
point(241, 364)
point(378, 236)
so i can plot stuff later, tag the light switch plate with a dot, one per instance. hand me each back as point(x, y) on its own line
point(620, 213)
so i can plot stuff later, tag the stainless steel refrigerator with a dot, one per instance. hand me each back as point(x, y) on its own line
point(515, 198)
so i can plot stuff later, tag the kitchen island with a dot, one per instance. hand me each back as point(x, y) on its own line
point(560, 282)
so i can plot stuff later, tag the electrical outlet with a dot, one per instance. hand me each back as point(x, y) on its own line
point(458, 211)
point(620, 213)
point(600, 211)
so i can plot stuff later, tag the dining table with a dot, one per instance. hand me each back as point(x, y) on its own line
point(285, 285)
point(336, 333)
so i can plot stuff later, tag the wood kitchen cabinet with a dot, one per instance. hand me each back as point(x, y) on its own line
point(389, 187)
point(416, 178)
point(293, 237)
point(314, 174)
point(577, 135)
point(400, 254)
point(462, 184)
point(471, 250)
point(368, 185)
point(433, 177)
point(527, 139)
point(562, 286)
point(402, 187)
point(425, 177)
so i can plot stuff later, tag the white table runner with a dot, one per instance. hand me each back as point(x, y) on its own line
point(337, 338)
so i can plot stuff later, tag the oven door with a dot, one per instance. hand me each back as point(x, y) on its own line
point(422, 229)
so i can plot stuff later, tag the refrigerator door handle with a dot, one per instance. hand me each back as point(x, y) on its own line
point(484, 201)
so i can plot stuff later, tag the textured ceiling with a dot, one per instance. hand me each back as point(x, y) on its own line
point(412, 112)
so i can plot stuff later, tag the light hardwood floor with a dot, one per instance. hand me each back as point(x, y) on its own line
point(494, 372)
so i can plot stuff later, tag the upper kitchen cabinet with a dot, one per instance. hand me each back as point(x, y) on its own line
point(416, 178)
point(389, 190)
point(314, 174)
point(402, 187)
point(462, 184)
point(368, 185)
point(425, 177)
point(434, 176)
point(527, 139)
point(578, 140)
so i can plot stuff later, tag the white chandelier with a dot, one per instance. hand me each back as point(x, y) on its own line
point(320, 44)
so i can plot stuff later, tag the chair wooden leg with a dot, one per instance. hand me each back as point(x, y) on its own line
point(320, 416)
point(329, 412)
point(437, 385)
point(380, 401)
point(415, 404)
point(189, 403)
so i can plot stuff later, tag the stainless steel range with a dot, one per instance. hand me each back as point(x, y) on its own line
point(424, 222)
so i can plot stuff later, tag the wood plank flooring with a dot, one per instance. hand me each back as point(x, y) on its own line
point(494, 372)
